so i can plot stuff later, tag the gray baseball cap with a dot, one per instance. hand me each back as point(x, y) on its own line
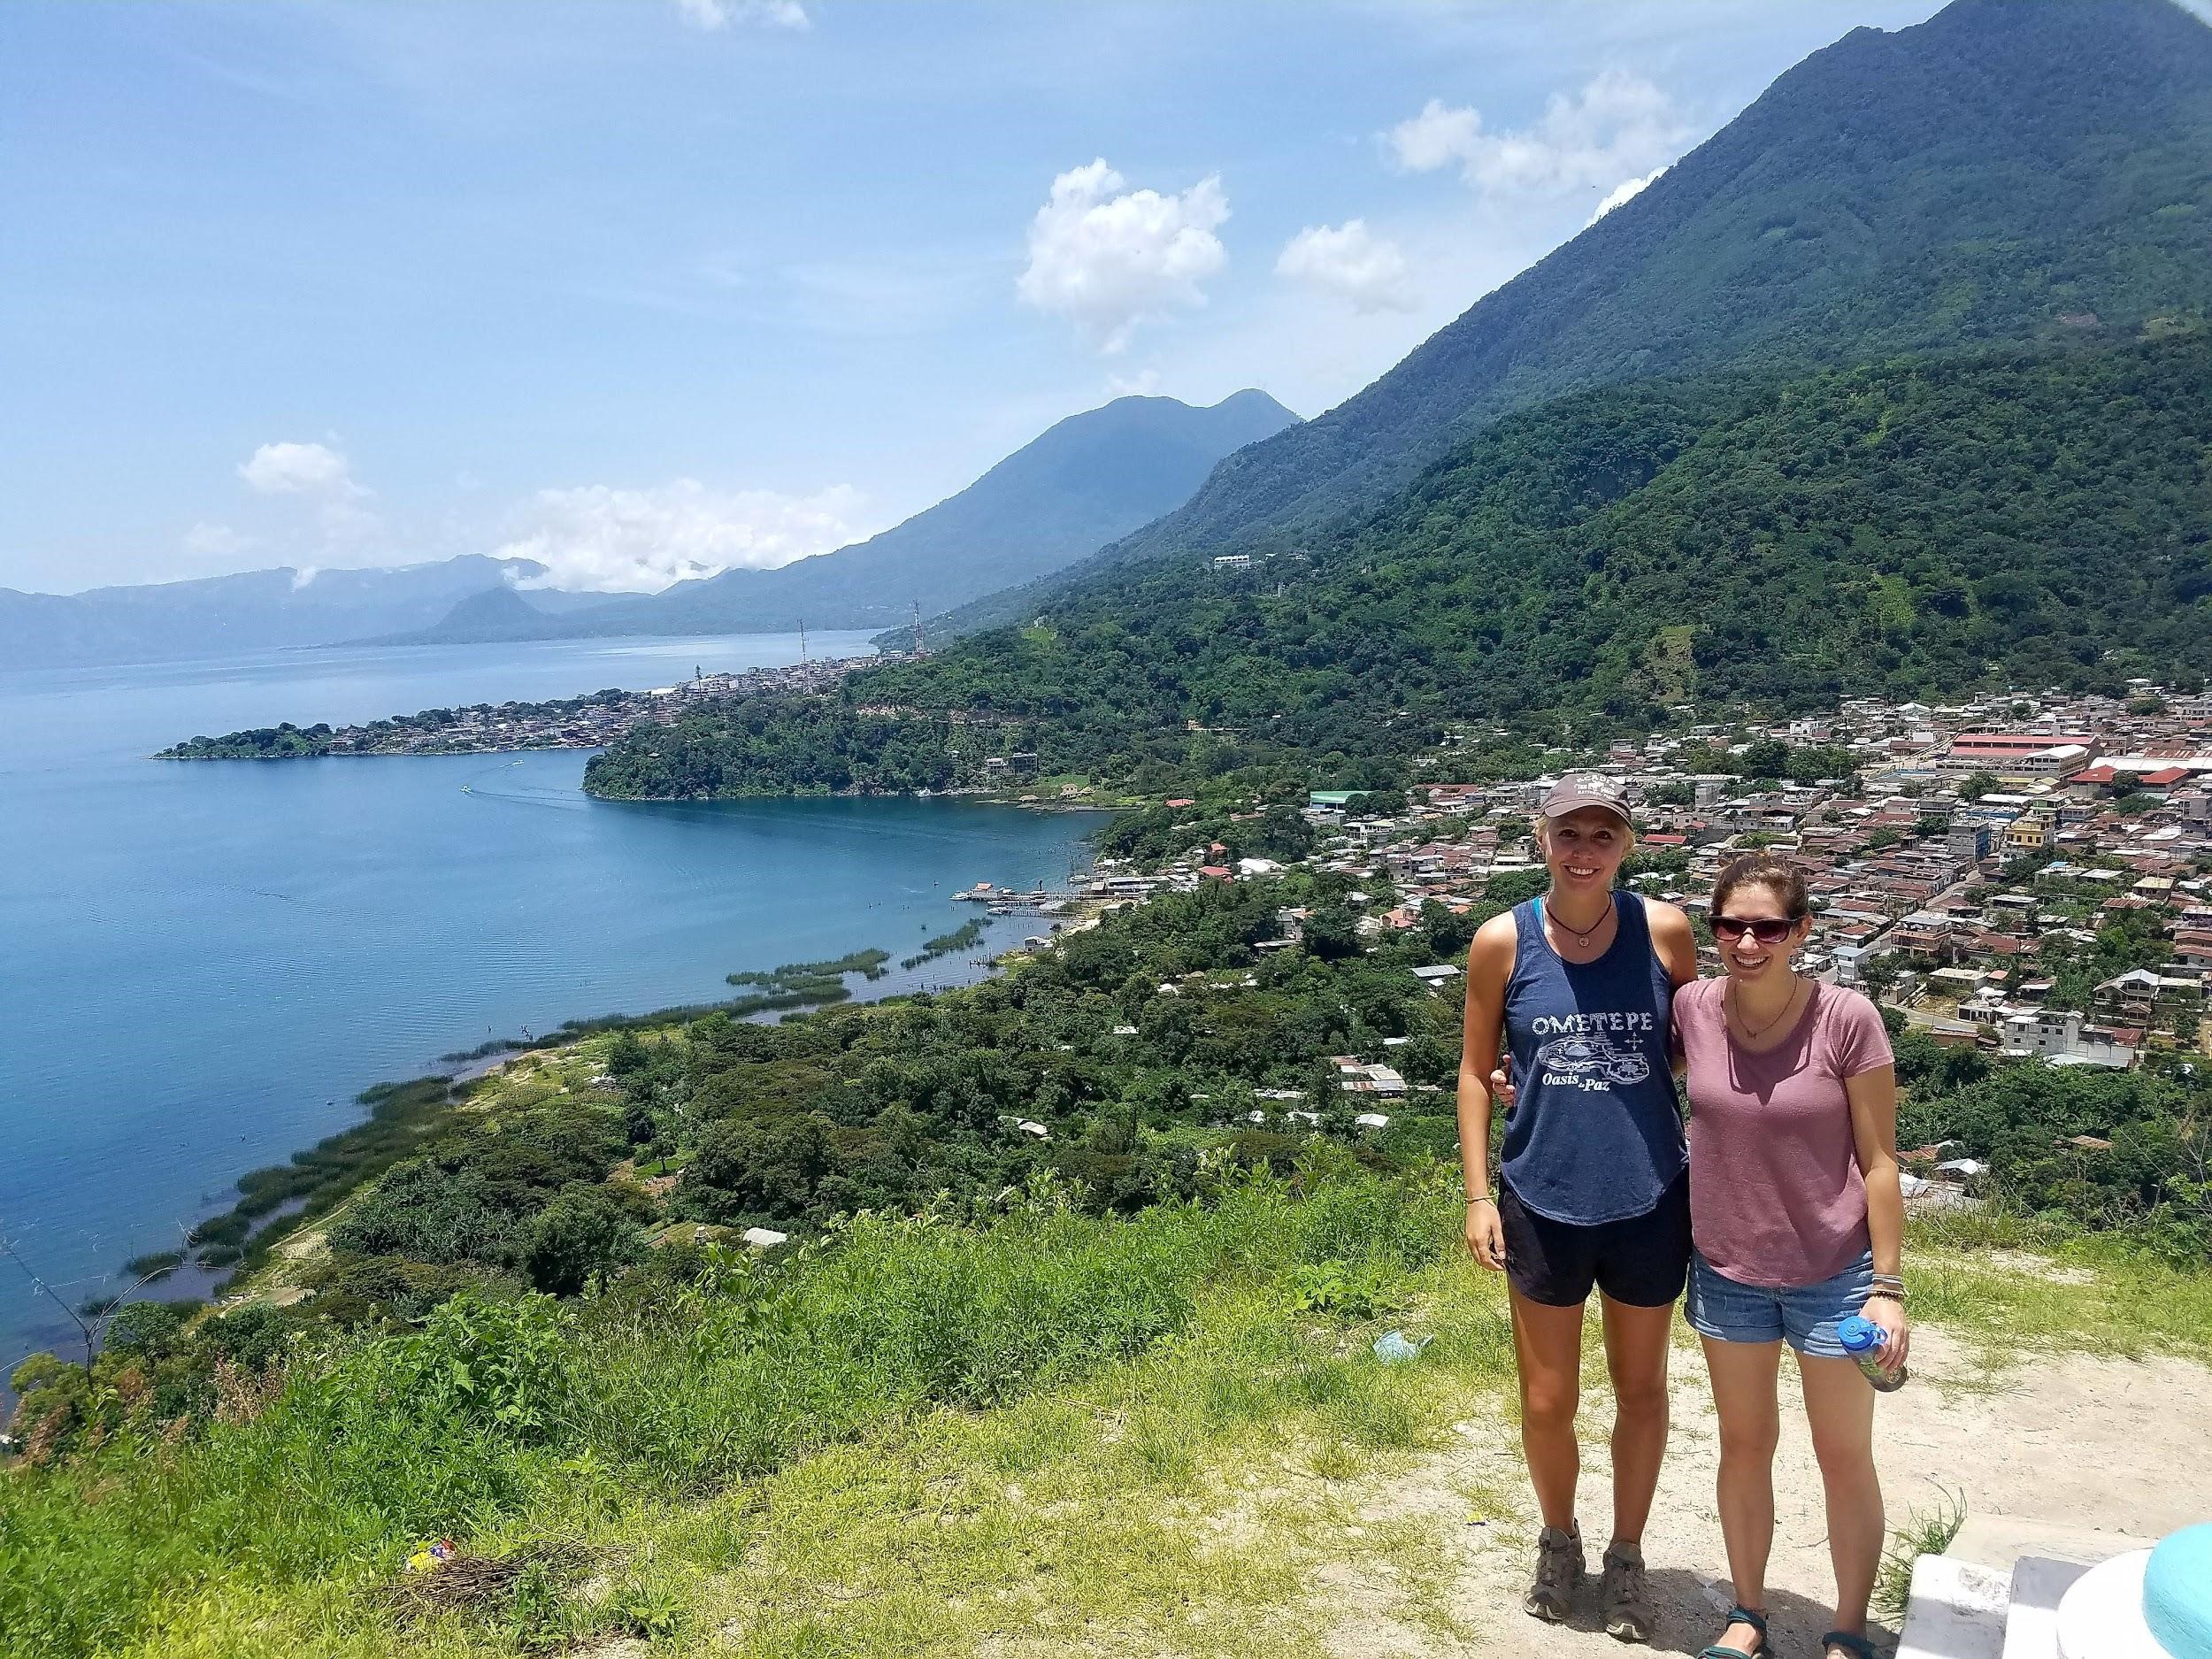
point(1581, 789)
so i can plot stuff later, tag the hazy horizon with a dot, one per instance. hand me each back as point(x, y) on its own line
point(647, 291)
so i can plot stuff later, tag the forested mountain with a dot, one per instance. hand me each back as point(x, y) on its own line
point(1084, 481)
point(1925, 524)
point(252, 612)
point(2011, 169)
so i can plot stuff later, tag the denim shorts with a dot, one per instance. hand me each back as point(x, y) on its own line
point(1806, 1314)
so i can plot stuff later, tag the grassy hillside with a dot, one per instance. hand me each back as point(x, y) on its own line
point(939, 1436)
point(2010, 170)
point(1899, 528)
point(1111, 1374)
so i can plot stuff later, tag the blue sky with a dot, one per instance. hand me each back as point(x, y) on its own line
point(651, 288)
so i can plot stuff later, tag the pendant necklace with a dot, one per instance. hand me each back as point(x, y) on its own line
point(1750, 1036)
point(1583, 937)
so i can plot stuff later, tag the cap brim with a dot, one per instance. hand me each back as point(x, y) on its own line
point(1567, 809)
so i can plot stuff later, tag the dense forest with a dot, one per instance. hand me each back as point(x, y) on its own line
point(1901, 528)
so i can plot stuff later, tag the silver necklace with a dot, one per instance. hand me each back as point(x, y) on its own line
point(1750, 1036)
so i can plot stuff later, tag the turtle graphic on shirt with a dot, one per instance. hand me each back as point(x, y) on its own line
point(1589, 1053)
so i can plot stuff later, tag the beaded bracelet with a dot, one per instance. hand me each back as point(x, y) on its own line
point(1884, 1293)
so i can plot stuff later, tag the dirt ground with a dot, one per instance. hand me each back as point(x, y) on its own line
point(2106, 1445)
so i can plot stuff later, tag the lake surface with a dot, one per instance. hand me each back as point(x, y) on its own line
point(201, 963)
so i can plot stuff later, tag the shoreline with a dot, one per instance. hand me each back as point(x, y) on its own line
point(410, 1107)
point(590, 720)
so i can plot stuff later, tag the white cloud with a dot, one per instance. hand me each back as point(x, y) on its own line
point(215, 541)
point(1111, 258)
point(1352, 262)
point(321, 474)
point(1620, 124)
point(1626, 189)
point(299, 469)
point(1144, 383)
point(713, 15)
point(1435, 138)
point(604, 539)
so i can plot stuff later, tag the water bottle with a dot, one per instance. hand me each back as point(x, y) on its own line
point(1861, 1339)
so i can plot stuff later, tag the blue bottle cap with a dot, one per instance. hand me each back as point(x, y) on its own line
point(2178, 1592)
point(1858, 1335)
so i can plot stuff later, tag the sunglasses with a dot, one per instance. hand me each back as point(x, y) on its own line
point(1766, 930)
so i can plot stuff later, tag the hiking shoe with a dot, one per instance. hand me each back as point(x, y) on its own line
point(1559, 1569)
point(1624, 1595)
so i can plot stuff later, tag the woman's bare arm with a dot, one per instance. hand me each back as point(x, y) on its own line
point(1489, 965)
point(1873, 1097)
point(1673, 938)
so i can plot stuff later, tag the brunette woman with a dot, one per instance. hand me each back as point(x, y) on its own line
point(1592, 1184)
point(1799, 1224)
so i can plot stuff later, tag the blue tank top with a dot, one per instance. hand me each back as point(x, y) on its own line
point(1596, 1132)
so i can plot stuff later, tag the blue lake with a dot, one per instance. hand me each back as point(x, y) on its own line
point(201, 963)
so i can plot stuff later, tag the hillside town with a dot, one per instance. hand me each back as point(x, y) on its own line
point(2029, 876)
point(586, 722)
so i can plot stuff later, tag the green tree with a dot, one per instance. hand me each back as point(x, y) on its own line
point(1331, 933)
point(760, 1166)
point(586, 1230)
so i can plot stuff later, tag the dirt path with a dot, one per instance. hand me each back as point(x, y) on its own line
point(2107, 1444)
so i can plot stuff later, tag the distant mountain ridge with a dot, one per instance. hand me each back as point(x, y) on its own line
point(1898, 385)
point(1906, 529)
point(1079, 484)
point(254, 610)
point(2010, 169)
point(1082, 482)
point(495, 614)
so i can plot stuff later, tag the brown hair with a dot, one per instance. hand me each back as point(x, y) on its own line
point(1780, 875)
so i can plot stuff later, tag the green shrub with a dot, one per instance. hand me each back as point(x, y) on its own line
point(503, 1366)
point(584, 1232)
point(362, 1445)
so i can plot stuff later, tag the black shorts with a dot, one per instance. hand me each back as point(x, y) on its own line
point(1641, 1261)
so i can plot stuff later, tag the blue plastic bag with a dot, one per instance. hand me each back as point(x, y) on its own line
point(1394, 1347)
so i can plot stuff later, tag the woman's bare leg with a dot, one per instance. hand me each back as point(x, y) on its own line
point(1839, 1406)
point(1636, 1345)
point(1548, 1343)
point(1744, 1376)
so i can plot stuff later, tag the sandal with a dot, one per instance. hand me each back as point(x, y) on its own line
point(1762, 1651)
point(1858, 1647)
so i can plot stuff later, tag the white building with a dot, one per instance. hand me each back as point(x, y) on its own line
point(2062, 1039)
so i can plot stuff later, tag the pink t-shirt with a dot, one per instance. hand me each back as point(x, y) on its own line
point(1776, 1196)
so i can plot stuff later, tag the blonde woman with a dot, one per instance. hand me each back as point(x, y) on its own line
point(1593, 1185)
